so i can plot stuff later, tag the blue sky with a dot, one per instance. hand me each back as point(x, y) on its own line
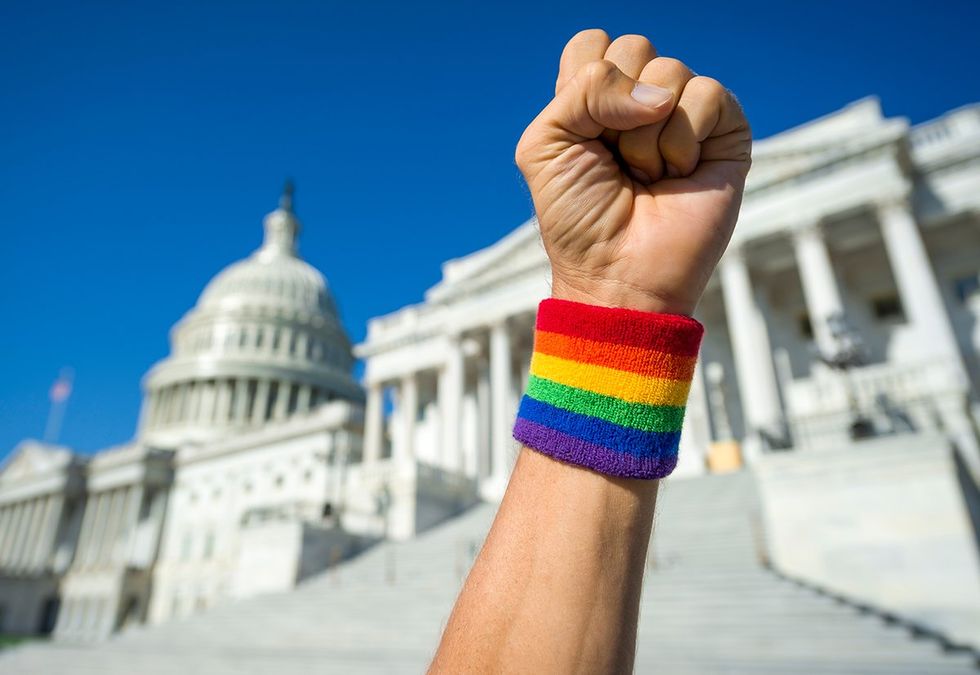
point(141, 144)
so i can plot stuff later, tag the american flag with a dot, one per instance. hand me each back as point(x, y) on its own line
point(61, 389)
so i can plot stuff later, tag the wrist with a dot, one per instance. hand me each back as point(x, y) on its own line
point(607, 387)
point(612, 293)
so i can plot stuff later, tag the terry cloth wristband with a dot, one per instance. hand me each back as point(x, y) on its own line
point(608, 386)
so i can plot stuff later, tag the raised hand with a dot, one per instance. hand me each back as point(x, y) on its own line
point(636, 168)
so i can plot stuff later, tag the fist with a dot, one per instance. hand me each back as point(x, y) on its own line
point(636, 168)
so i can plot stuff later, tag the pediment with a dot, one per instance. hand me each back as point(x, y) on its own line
point(842, 133)
point(32, 459)
point(513, 253)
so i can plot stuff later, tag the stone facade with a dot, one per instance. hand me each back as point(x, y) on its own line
point(259, 461)
point(854, 228)
point(246, 441)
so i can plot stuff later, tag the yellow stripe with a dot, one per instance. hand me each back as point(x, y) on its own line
point(610, 381)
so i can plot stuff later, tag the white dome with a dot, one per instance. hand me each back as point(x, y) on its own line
point(263, 342)
point(271, 281)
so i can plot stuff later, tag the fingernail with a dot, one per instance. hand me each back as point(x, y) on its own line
point(651, 95)
point(640, 176)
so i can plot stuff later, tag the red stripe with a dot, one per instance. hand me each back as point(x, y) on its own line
point(621, 357)
point(670, 333)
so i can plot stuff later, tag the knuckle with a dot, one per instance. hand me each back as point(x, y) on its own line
point(597, 73)
point(673, 69)
point(632, 42)
point(524, 150)
point(589, 34)
point(708, 87)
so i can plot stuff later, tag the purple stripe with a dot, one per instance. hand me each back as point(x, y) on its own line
point(574, 450)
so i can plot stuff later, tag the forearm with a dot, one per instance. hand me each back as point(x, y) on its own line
point(556, 587)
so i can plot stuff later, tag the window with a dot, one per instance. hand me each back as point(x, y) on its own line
point(250, 398)
point(233, 399)
point(967, 287)
point(887, 308)
point(293, 398)
point(804, 326)
point(271, 403)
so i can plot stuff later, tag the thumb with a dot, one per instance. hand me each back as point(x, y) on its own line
point(601, 97)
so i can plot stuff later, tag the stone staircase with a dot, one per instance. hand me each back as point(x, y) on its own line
point(709, 607)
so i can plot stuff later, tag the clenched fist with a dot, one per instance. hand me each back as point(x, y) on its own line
point(636, 168)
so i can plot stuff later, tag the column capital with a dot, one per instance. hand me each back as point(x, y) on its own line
point(734, 255)
point(811, 226)
point(899, 199)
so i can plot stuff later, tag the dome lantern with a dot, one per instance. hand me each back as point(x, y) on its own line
point(282, 227)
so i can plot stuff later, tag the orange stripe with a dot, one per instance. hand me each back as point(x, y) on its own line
point(621, 357)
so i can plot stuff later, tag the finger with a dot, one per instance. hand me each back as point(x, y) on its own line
point(639, 147)
point(584, 47)
point(706, 110)
point(602, 97)
point(631, 53)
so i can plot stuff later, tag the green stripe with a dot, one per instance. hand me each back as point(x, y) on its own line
point(624, 413)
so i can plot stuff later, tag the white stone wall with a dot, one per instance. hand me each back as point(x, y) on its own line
point(885, 523)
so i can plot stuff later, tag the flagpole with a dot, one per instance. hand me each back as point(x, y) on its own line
point(60, 392)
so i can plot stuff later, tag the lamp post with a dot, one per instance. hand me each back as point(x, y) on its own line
point(848, 353)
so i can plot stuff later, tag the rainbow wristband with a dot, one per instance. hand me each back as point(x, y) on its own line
point(608, 386)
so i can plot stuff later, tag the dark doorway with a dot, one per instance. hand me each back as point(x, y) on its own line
point(49, 615)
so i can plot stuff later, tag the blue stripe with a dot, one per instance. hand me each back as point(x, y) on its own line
point(594, 430)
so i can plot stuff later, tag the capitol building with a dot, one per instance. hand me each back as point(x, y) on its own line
point(840, 367)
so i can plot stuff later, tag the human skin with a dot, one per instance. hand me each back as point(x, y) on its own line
point(636, 168)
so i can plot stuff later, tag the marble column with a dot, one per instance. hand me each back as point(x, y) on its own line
point(85, 530)
point(305, 395)
point(223, 403)
point(451, 404)
point(408, 409)
point(130, 522)
point(282, 400)
point(118, 513)
point(208, 402)
point(6, 525)
point(241, 401)
point(922, 301)
point(23, 547)
point(20, 532)
point(483, 421)
point(921, 296)
point(820, 288)
point(373, 422)
point(98, 529)
point(696, 429)
point(261, 402)
point(756, 372)
point(49, 534)
point(9, 552)
point(32, 555)
point(501, 408)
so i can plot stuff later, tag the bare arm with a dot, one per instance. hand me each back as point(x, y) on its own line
point(557, 586)
point(636, 189)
